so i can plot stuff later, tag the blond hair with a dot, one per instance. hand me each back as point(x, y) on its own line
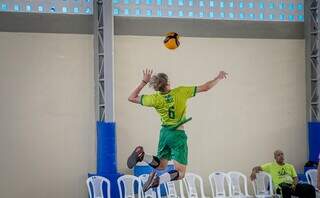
point(159, 82)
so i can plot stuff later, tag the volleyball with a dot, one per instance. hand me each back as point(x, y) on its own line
point(172, 40)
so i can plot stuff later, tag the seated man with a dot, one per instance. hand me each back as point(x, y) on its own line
point(284, 178)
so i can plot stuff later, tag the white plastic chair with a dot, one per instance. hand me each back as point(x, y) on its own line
point(262, 185)
point(96, 182)
point(235, 184)
point(171, 191)
point(311, 176)
point(151, 193)
point(128, 182)
point(218, 180)
point(190, 181)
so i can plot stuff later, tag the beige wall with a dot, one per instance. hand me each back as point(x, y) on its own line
point(47, 124)
point(238, 124)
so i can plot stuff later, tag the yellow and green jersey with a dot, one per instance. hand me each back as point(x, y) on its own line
point(280, 173)
point(171, 106)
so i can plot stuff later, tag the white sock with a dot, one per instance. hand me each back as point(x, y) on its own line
point(148, 158)
point(165, 177)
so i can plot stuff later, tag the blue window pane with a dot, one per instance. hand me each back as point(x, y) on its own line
point(231, 15)
point(271, 16)
point(291, 18)
point(282, 5)
point(180, 13)
point(28, 8)
point(40, 8)
point(300, 18)
point(271, 5)
point(190, 2)
point(300, 6)
point(126, 1)
point(159, 13)
point(241, 4)
point(4, 7)
point(291, 6)
point(221, 4)
point(282, 17)
point(241, 15)
point(251, 5)
point(138, 2)
point(181, 2)
point(148, 2)
point(261, 16)
point(116, 11)
point(222, 14)
point(16, 8)
point(87, 1)
point(138, 12)
point(201, 3)
point(149, 12)
point(87, 11)
point(251, 16)
point(170, 13)
point(64, 9)
point(126, 11)
point(201, 14)
point(261, 5)
point(231, 4)
point(190, 14)
point(211, 4)
point(159, 2)
point(170, 2)
point(76, 10)
point(115, 1)
point(211, 14)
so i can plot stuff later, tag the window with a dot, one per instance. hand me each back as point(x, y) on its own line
point(64, 9)
point(16, 8)
point(138, 12)
point(4, 7)
point(211, 4)
point(241, 4)
point(149, 12)
point(28, 8)
point(221, 4)
point(116, 11)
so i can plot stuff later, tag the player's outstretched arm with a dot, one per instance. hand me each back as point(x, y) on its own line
point(208, 85)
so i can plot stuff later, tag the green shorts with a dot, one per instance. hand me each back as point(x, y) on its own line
point(173, 145)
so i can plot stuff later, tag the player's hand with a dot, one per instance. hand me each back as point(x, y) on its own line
point(147, 73)
point(222, 75)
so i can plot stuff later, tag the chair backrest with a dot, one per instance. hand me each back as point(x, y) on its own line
point(235, 184)
point(218, 180)
point(151, 193)
point(128, 182)
point(171, 191)
point(262, 185)
point(190, 180)
point(97, 182)
point(311, 176)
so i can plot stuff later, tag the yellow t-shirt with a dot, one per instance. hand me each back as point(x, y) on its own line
point(171, 106)
point(280, 173)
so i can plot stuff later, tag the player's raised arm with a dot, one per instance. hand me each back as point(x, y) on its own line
point(134, 96)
